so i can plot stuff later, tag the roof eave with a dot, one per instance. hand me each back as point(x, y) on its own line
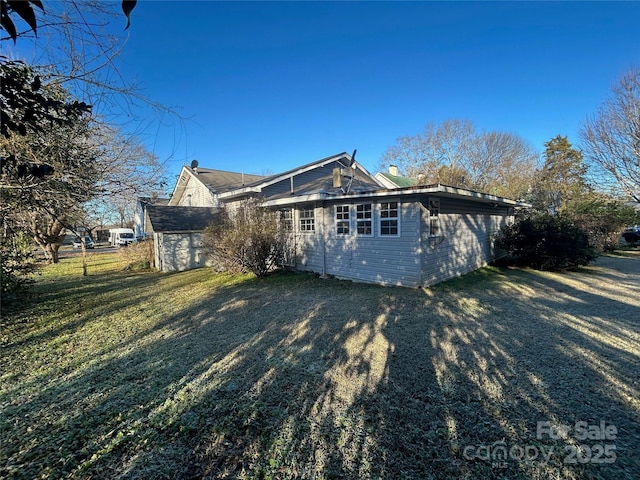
point(180, 186)
point(406, 191)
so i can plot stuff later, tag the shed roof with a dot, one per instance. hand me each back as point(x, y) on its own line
point(180, 219)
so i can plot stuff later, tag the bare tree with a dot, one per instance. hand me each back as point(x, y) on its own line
point(78, 46)
point(454, 153)
point(75, 52)
point(611, 138)
point(249, 239)
point(88, 164)
point(14, 11)
point(46, 205)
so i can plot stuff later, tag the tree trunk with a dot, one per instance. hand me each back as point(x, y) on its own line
point(49, 235)
point(51, 252)
point(84, 259)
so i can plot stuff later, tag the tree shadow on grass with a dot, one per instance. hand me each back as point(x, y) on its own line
point(294, 377)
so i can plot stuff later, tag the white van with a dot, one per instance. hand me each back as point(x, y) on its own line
point(121, 237)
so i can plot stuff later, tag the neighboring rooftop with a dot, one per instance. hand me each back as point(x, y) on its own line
point(154, 201)
point(393, 180)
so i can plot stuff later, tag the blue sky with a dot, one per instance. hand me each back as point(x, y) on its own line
point(270, 86)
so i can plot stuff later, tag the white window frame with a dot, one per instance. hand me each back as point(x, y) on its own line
point(307, 223)
point(382, 218)
point(434, 217)
point(359, 220)
point(342, 216)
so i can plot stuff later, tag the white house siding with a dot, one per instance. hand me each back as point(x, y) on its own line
point(466, 241)
point(179, 251)
point(309, 246)
point(196, 195)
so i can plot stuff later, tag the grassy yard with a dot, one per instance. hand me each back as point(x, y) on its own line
point(201, 375)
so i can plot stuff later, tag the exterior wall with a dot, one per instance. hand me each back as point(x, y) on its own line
point(466, 240)
point(139, 219)
point(179, 251)
point(196, 195)
point(309, 247)
point(320, 173)
point(412, 258)
point(383, 259)
point(284, 186)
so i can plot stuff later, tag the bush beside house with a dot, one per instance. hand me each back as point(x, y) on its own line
point(547, 242)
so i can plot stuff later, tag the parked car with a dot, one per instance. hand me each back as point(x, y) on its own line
point(632, 234)
point(88, 243)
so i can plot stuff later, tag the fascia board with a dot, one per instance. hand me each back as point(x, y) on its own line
point(258, 188)
point(433, 190)
point(180, 186)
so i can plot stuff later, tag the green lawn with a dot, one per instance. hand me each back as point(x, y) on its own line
point(203, 375)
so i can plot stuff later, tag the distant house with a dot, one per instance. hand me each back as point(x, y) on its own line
point(347, 223)
point(393, 180)
point(139, 215)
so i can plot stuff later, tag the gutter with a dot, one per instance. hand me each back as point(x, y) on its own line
point(406, 191)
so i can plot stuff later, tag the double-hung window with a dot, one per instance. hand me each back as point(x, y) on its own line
point(342, 219)
point(307, 220)
point(389, 224)
point(364, 219)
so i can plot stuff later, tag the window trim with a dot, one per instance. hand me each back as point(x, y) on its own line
point(380, 209)
point(310, 221)
point(369, 219)
point(340, 221)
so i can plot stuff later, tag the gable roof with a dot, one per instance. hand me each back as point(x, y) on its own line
point(342, 160)
point(220, 181)
point(216, 181)
point(394, 181)
point(180, 219)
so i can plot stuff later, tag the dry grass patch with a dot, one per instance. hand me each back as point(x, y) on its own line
point(198, 375)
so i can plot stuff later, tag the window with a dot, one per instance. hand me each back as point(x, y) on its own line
point(389, 218)
point(364, 219)
point(286, 220)
point(307, 220)
point(342, 219)
point(434, 217)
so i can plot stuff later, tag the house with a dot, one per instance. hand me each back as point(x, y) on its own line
point(140, 217)
point(201, 187)
point(346, 223)
point(393, 180)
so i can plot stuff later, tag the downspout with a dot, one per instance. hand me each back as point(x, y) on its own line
point(324, 242)
point(422, 245)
